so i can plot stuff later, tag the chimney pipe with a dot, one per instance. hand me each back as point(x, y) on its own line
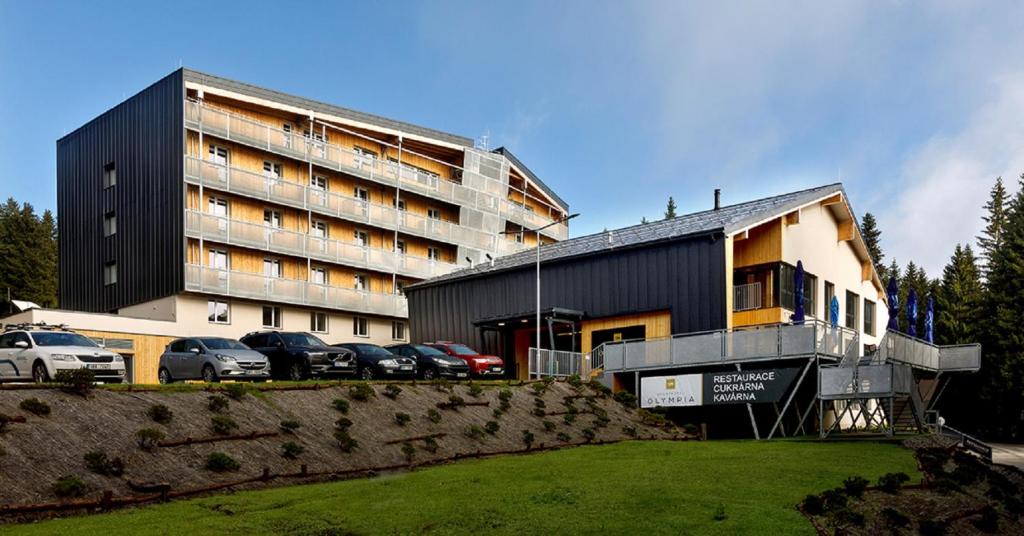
point(718, 198)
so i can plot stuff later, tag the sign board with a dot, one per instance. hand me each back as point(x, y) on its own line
point(713, 388)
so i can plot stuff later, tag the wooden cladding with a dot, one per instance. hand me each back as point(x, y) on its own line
point(657, 325)
point(762, 245)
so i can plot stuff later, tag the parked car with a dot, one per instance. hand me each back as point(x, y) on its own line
point(432, 363)
point(211, 359)
point(479, 365)
point(39, 352)
point(296, 355)
point(378, 362)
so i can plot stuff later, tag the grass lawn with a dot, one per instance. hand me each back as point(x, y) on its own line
point(634, 487)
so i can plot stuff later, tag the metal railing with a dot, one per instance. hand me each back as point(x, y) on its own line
point(746, 297)
point(867, 381)
point(731, 346)
point(210, 280)
point(558, 363)
point(261, 236)
point(896, 346)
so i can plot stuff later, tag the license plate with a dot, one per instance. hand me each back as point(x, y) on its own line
point(342, 364)
point(460, 375)
point(101, 366)
point(405, 367)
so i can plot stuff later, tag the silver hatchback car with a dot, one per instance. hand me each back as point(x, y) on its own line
point(211, 359)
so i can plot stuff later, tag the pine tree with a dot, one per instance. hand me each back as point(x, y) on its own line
point(670, 210)
point(643, 219)
point(991, 238)
point(28, 254)
point(958, 299)
point(872, 239)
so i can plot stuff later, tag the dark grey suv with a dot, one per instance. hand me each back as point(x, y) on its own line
point(296, 355)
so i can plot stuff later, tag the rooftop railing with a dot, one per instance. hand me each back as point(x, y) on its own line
point(896, 346)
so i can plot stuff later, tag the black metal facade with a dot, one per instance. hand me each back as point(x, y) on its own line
point(143, 137)
point(685, 276)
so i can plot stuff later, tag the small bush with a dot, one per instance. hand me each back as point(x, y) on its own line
point(408, 451)
point(5, 421)
point(492, 427)
point(630, 430)
point(289, 426)
point(343, 424)
point(392, 391)
point(575, 381)
point(625, 398)
point(599, 387)
point(456, 402)
point(443, 385)
point(430, 445)
point(291, 450)
point(845, 517)
point(474, 432)
point(223, 425)
point(894, 519)
point(35, 406)
point(160, 414)
point(97, 462)
point(892, 482)
point(569, 418)
point(855, 486)
point(933, 460)
point(345, 441)
point(235, 391)
point(341, 405)
point(539, 403)
point(833, 500)
point(588, 433)
point(433, 416)
point(147, 438)
point(361, 392)
point(68, 486)
point(217, 404)
point(475, 390)
point(988, 521)
point(813, 505)
point(528, 438)
point(720, 513)
point(401, 419)
point(504, 405)
point(218, 462)
point(966, 475)
point(946, 485)
point(537, 412)
point(77, 381)
point(497, 413)
point(549, 426)
point(601, 421)
point(505, 395)
point(563, 437)
point(931, 527)
point(691, 429)
point(539, 388)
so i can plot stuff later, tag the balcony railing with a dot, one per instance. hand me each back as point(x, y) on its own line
point(474, 190)
point(896, 346)
point(292, 291)
point(558, 363)
point(869, 381)
point(746, 297)
point(729, 346)
point(520, 215)
point(242, 233)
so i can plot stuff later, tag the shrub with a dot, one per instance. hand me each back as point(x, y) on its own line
point(497, 413)
point(408, 451)
point(625, 398)
point(217, 404)
point(549, 426)
point(475, 390)
point(392, 391)
point(434, 416)
point(341, 405)
point(855, 486)
point(77, 381)
point(946, 485)
point(492, 427)
point(430, 445)
point(601, 421)
point(291, 450)
point(844, 517)
point(894, 519)
point(813, 505)
point(966, 475)
point(219, 462)
point(401, 419)
point(539, 388)
point(575, 381)
point(456, 401)
point(223, 425)
point(343, 424)
point(630, 430)
point(933, 460)
point(35, 406)
point(290, 426)
point(833, 500)
point(691, 429)
point(235, 391)
point(891, 482)
point(505, 395)
point(474, 432)
point(361, 391)
point(988, 521)
point(569, 418)
point(538, 412)
point(563, 437)
point(931, 527)
point(68, 486)
point(160, 414)
point(443, 385)
point(539, 403)
point(5, 421)
point(720, 513)
point(588, 434)
point(345, 441)
point(504, 405)
point(147, 438)
point(599, 387)
point(97, 462)
point(528, 438)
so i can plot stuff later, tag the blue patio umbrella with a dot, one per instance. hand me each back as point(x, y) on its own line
point(912, 313)
point(798, 294)
point(833, 311)
point(892, 295)
point(929, 320)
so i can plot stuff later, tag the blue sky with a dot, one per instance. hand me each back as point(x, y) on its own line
point(916, 107)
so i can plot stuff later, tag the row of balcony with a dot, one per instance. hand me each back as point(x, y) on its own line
point(264, 237)
point(209, 280)
point(475, 190)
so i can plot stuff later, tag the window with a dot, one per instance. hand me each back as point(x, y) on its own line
point(852, 300)
point(271, 268)
point(830, 291)
point(271, 316)
point(318, 322)
point(319, 276)
point(519, 237)
point(272, 218)
point(318, 182)
point(109, 224)
point(271, 170)
point(400, 287)
point(400, 204)
point(398, 331)
point(433, 253)
point(218, 312)
point(319, 229)
point(218, 259)
point(109, 175)
point(787, 292)
point(218, 206)
point(362, 194)
point(361, 282)
point(218, 155)
point(400, 246)
point(433, 213)
point(363, 157)
point(110, 273)
point(360, 327)
point(362, 238)
point(869, 317)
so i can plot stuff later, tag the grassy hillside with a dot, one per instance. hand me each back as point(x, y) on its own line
point(634, 487)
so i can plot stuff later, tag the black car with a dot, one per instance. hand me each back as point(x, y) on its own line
point(378, 362)
point(431, 362)
point(295, 355)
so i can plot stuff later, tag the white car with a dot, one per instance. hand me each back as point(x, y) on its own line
point(38, 353)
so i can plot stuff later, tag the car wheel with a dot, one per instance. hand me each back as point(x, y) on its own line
point(209, 375)
point(164, 376)
point(366, 373)
point(39, 374)
point(429, 373)
point(297, 372)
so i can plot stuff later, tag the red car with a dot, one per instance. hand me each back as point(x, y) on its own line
point(479, 365)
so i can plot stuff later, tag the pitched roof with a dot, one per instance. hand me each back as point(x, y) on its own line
point(727, 220)
point(540, 184)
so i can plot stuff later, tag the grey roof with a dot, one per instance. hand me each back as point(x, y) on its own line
point(284, 98)
point(540, 184)
point(728, 219)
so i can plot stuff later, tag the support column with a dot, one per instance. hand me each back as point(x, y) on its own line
point(750, 411)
